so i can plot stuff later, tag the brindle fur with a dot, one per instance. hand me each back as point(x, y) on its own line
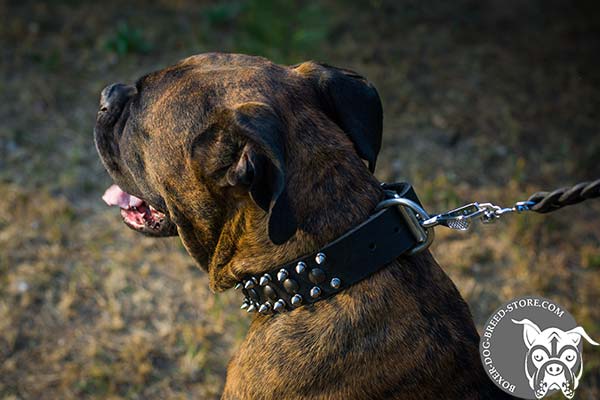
point(403, 333)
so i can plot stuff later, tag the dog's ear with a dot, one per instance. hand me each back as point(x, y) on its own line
point(352, 103)
point(530, 331)
point(577, 333)
point(260, 165)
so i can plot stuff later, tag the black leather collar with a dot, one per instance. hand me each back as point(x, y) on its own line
point(349, 259)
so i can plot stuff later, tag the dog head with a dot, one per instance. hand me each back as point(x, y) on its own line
point(226, 150)
point(553, 360)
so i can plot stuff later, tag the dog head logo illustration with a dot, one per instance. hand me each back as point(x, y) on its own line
point(553, 361)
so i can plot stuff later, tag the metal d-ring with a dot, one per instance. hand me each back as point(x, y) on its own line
point(423, 235)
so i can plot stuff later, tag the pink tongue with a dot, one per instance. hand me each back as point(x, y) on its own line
point(114, 196)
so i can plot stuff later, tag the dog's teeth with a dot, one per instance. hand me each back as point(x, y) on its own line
point(335, 283)
point(244, 305)
point(249, 284)
point(320, 258)
point(296, 300)
point(300, 267)
point(282, 275)
point(251, 308)
point(265, 279)
point(239, 285)
point(315, 292)
point(279, 305)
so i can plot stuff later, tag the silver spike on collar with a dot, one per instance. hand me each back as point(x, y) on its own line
point(295, 284)
point(360, 252)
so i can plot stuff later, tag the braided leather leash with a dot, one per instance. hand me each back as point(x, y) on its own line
point(546, 202)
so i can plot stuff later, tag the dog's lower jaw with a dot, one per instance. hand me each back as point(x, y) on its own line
point(404, 333)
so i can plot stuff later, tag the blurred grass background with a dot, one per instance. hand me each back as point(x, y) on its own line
point(483, 100)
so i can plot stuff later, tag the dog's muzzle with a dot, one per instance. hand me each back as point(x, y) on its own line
point(554, 375)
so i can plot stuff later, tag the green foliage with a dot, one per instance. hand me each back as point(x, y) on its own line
point(126, 40)
point(593, 260)
point(222, 14)
point(49, 59)
point(284, 31)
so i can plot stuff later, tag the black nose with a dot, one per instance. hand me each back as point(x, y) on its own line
point(554, 369)
point(115, 95)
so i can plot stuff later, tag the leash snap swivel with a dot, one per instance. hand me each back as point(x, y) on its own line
point(421, 224)
point(461, 217)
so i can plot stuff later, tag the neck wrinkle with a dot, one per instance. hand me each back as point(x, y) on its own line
point(324, 210)
point(335, 204)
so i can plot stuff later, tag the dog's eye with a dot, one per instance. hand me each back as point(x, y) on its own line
point(538, 355)
point(569, 355)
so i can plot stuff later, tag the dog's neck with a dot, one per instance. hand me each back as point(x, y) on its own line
point(354, 344)
point(327, 203)
point(368, 341)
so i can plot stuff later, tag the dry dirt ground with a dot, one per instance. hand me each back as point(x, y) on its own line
point(483, 100)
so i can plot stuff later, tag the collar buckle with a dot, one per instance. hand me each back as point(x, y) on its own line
point(414, 215)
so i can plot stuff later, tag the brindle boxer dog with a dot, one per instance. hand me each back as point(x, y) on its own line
point(255, 164)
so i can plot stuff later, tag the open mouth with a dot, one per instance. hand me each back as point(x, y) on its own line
point(138, 214)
